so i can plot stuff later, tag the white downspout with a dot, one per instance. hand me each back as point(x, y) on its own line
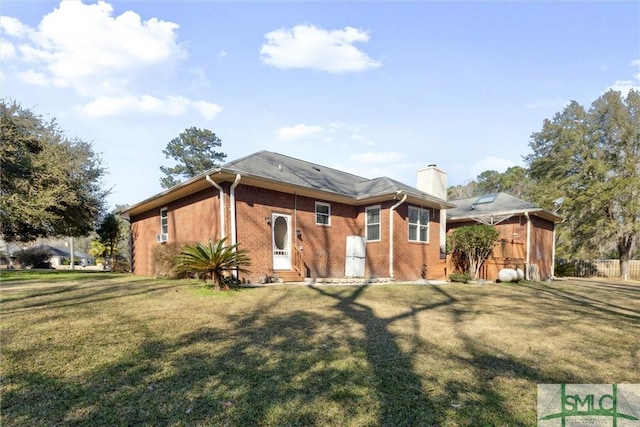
point(527, 255)
point(232, 202)
point(391, 272)
point(221, 190)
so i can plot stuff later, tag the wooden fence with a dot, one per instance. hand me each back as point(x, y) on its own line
point(598, 268)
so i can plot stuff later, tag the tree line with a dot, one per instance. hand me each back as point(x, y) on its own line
point(51, 185)
point(590, 159)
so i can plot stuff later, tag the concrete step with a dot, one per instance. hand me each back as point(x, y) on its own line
point(289, 276)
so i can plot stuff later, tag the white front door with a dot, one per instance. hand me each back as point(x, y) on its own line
point(281, 238)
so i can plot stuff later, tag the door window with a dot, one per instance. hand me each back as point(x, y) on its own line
point(280, 233)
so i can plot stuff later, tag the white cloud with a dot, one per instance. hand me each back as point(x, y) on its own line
point(298, 132)
point(79, 45)
point(13, 27)
point(379, 157)
point(34, 78)
point(102, 57)
point(307, 46)
point(7, 50)
point(107, 106)
point(624, 86)
point(208, 110)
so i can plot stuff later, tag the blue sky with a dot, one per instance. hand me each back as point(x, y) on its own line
point(373, 88)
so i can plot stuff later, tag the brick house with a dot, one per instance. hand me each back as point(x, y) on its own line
point(527, 233)
point(299, 220)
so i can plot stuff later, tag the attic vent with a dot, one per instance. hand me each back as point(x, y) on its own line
point(316, 168)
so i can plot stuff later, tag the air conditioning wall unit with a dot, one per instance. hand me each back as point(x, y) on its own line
point(162, 238)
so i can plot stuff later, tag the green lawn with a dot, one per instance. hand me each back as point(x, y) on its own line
point(107, 349)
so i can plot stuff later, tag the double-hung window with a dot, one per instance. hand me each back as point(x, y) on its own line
point(418, 224)
point(323, 213)
point(372, 219)
point(164, 222)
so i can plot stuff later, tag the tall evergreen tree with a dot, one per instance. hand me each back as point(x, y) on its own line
point(194, 150)
point(592, 159)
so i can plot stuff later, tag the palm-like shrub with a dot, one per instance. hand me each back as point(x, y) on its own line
point(212, 261)
point(100, 251)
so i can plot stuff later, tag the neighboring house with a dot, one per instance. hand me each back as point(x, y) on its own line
point(61, 258)
point(299, 220)
point(527, 233)
point(7, 251)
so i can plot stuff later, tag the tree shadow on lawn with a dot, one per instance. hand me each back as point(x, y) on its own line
point(269, 372)
point(593, 301)
point(473, 401)
point(79, 294)
point(280, 368)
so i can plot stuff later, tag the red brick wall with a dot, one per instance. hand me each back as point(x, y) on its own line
point(413, 259)
point(196, 218)
point(143, 237)
point(323, 246)
point(191, 219)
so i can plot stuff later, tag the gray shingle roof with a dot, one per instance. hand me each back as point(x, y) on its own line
point(281, 168)
point(285, 169)
point(54, 251)
point(277, 168)
point(501, 204)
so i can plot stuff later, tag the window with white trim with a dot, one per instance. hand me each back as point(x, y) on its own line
point(372, 223)
point(164, 221)
point(418, 224)
point(323, 213)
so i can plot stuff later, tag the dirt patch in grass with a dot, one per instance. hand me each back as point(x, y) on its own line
point(124, 350)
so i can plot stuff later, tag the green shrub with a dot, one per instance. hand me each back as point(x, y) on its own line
point(213, 260)
point(564, 269)
point(34, 257)
point(472, 245)
point(120, 265)
point(460, 277)
point(163, 259)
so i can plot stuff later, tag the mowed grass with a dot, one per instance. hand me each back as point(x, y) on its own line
point(95, 349)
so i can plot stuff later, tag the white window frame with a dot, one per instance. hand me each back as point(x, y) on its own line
point(419, 225)
point(323, 214)
point(164, 221)
point(367, 223)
